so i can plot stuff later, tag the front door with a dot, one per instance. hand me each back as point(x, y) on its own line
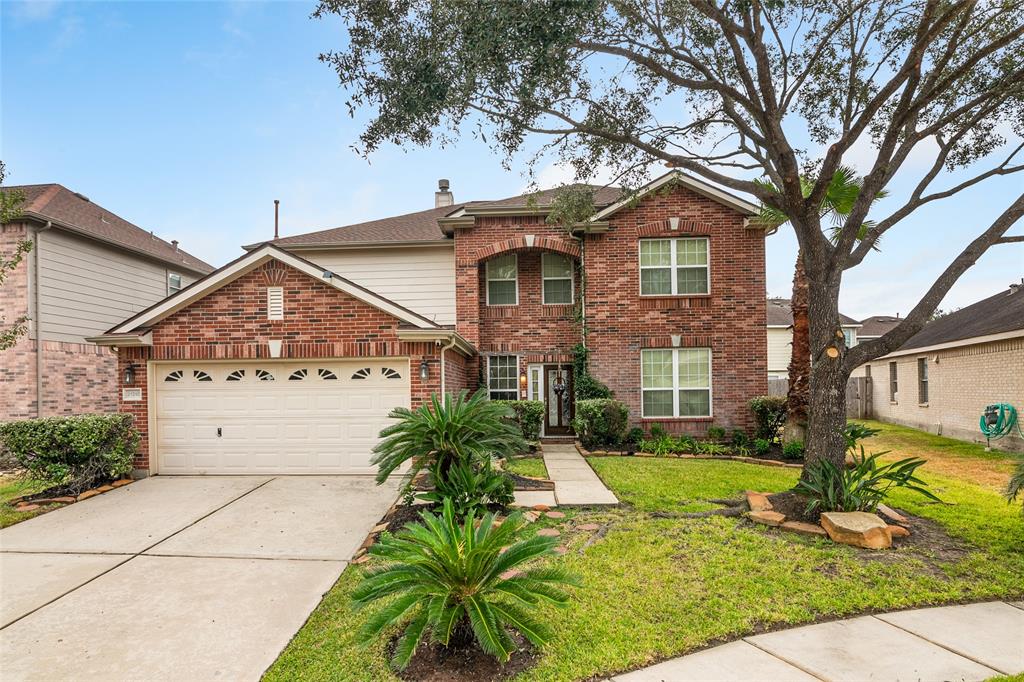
point(558, 401)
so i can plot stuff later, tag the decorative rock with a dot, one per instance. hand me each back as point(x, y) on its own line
point(548, 532)
point(122, 481)
point(361, 559)
point(105, 488)
point(87, 494)
point(368, 542)
point(898, 531)
point(859, 529)
point(379, 528)
point(804, 528)
point(589, 527)
point(540, 507)
point(55, 500)
point(26, 507)
point(767, 518)
point(554, 515)
point(758, 501)
point(890, 514)
point(530, 516)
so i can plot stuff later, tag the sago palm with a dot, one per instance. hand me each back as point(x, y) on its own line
point(449, 582)
point(459, 428)
point(1015, 486)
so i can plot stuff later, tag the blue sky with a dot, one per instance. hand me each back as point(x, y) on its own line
point(190, 118)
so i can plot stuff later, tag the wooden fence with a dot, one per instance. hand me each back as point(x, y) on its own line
point(778, 386)
point(858, 395)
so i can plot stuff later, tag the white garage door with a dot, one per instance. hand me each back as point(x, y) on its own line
point(275, 417)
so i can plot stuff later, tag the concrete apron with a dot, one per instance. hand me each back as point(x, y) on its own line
point(177, 578)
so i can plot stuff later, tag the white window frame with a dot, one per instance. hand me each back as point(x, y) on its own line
point(170, 288)
point(534, 381)
point(850, 336)
point(544, 279)
point(672, 266)
point(922, 380)
point(675, 385)
point(515, 388)
point(488, 279)
point(273, 292)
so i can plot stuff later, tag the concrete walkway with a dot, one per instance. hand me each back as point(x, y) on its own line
point(964, 643)
point(177, 578)
point(575, 482)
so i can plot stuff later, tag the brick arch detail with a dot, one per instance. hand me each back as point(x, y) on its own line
point(665, 227)
point(542, 242)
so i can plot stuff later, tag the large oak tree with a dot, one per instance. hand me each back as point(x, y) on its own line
point(731, 91)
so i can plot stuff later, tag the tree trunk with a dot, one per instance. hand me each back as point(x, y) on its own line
point(800, 360)
point(828, 377)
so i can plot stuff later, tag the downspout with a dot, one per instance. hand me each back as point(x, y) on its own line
point(451, 343)
point(37, 317)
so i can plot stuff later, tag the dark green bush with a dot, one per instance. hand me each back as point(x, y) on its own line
point(600, 422)
point(528, 416)
point(739, 438)
point(716, 433)
point(73, 452)
point(793, 450)
point(635, 436)
point(762, 446)
point(472, 489)
point(658, 431)
point(770, 413)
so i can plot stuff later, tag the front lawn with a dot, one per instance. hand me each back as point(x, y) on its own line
point(527, 466)
point(659, 584)
point(12, 487)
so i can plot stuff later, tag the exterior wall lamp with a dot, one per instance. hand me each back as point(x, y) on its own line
point(129, 374)
point(424, 370)
point(522, 379)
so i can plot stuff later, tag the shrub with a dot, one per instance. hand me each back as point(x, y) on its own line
point(458, 429)
point(658, 431)
point(770, 413)
point(686, 443)
point(739, 438)
point(659, 447)
point(862, 487)
point(716, 433)
point(762, 446)
point(635, 436)
point(793, 450)
point(450, 581)
point(528, 416)
point(73, 452)
point(471, 489)
point(600, 422)
point(713, 449)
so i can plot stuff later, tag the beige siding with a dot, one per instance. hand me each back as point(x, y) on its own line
point(961, 382)
point(780, 349)
point(419, 278)
point(86, 287)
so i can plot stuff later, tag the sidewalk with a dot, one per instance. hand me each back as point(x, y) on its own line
point(969, 642)
point(575, 482)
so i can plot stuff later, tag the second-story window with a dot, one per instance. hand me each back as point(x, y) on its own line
point(556, 271)
point(674, 267)
point(173, 283)
point(503, 280)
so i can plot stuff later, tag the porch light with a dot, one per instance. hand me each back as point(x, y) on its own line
point(424, 370)
point(522, 379)
point(129, 374)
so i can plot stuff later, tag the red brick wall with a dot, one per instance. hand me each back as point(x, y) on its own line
point(730, 319)
point(319, 322)
point(17, 364)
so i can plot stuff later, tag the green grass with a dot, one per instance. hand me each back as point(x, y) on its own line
point(654, 588)
point(12, 487)
point(527, 466)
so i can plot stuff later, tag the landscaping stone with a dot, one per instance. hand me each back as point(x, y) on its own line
point(804, 528)
point(26, 507)
point(379, 528)
point(105, 488)
point(362, 559)
point(56, 500)
point(554, 515)
point(859, 529)
point(890, 514)
point(758, 501)
point(589, 527)
point(541, 507)
point(548, 532)
point(120, 482)
point(897, 531)
point(767, 518)
point(530, 516)
point(87, 494)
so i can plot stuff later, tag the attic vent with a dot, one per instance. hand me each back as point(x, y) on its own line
point(275, 303)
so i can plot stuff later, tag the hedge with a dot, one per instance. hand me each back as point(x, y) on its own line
point(73, 453)
point(529, 414)
point(600, 422)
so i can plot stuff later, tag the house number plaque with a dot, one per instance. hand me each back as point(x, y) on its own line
point(131, 394)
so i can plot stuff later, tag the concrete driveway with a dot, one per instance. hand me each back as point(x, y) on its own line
point(175, 578)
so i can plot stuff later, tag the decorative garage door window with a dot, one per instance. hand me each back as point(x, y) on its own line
point(237, 375)
point(390, 373)
point(176, 375)
point(264, 375)
point(326, 374)
point(361, 373)
point(200, 375)
point(298, 375)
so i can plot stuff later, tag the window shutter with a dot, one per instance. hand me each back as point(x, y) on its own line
point(275, 303)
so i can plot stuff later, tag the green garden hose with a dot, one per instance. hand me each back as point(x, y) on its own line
point(998, 421)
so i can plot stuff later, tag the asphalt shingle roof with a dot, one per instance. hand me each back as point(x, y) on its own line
point(781, 315)
point(877, 325)
point(74, 211)
point(1002, 312)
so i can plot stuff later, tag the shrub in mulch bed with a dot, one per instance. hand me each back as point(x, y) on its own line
point(434, 663)
point(750, 459)
point(56, 496)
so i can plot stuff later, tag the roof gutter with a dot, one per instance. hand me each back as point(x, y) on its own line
point(319, 246)
point(451, 336)
point(969, 341)
point(123, 340)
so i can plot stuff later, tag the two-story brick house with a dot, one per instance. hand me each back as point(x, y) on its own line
point(290, 358)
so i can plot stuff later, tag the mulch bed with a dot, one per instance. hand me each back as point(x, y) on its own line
point(525, 483)
point(794, 506)
point(434, 663)
point(405, 514)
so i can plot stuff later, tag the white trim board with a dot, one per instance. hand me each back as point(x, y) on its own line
point(970, 341)
point(250, 262)
point(688, 181)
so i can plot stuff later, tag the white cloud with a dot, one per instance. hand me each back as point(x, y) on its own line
point(35, 10)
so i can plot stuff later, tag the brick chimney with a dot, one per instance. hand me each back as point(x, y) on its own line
point(443, 196)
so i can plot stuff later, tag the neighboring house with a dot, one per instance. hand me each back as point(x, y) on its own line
point(289, 359)
point(876, 326)
point(87, 270)
point(944, 376)
point(780, 336)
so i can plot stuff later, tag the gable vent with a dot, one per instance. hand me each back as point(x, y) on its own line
point(275, 303)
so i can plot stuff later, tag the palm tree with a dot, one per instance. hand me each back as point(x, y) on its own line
point(842, 194)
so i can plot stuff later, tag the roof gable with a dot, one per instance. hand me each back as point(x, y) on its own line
point(688, 181)
point(246, 264)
